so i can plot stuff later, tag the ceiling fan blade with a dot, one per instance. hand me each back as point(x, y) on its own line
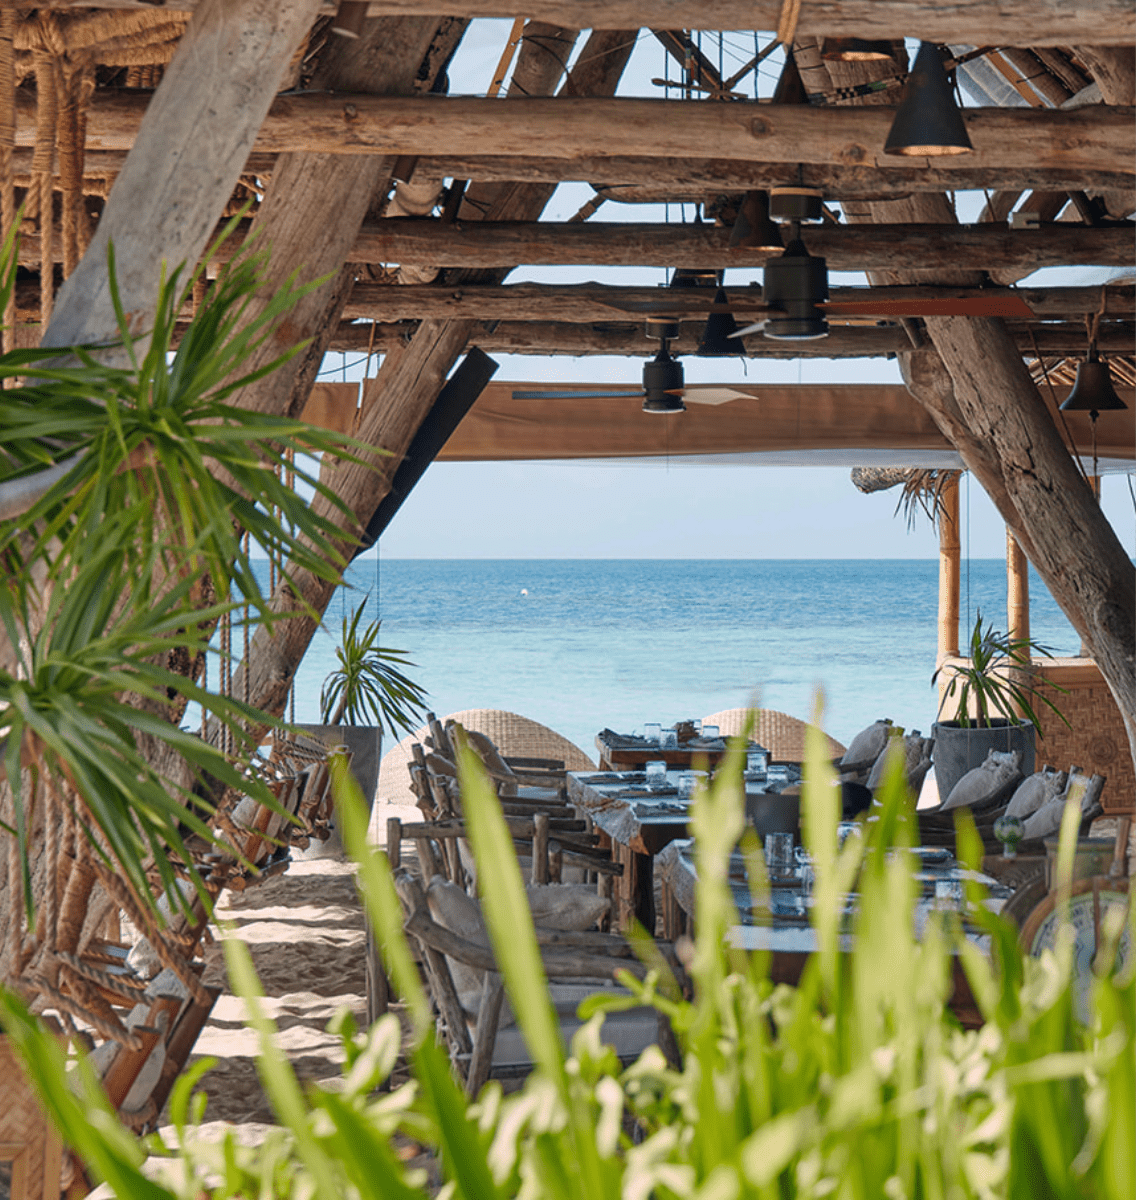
point(1003, 305)
point(709, 393)
point(573, 394)
point(752, 328)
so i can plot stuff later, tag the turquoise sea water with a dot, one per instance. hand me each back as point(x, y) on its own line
point(580, 644)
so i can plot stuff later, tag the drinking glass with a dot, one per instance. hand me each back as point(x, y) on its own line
point(804, 869)
point(656, 775)
point(757, 763)
point(778, 773)
point(697, 723)
point(668, 739)
point(651, 732)
point(710, 732)
point(847, 829)
point(686, 784)
point(779, 853)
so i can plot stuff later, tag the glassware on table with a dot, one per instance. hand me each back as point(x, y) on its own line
point(710, 732)
point(949, 894)
point(757, 764)
point(1009, 831)
point(655, 774)
point(847, 829)
point(697, 723)
point(779, 853)
point(651, 732)
point(668, 739)
point(804, 869)
point(688, 783)
point(778, 773)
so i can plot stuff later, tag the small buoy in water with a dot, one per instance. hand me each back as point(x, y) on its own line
point(524, 591)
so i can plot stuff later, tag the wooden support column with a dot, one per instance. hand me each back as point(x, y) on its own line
point(950, 570)
point(1017, 589)
point(190, 148)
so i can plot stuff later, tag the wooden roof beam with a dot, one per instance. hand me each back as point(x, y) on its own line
point(569, 127)
point(979, 22)
point(586, 303)
point(846, 247)
point(626, 338)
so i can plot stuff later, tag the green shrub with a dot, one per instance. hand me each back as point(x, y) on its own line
point(857, 1083)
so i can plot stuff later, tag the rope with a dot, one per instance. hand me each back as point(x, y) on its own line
point(7, 149)
point(114, 1030)
point(787, 26)
point(42, 192)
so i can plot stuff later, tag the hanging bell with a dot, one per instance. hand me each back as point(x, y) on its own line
point(1093, 391)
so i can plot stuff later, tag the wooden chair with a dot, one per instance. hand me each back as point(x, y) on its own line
point(475, 1040)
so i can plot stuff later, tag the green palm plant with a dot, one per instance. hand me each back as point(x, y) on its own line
point(998, 680)
point(113, 574)
point(369, 686)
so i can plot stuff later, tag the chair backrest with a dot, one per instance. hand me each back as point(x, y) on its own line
point(781, 734)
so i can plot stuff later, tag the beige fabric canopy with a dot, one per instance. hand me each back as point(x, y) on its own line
point(784, 418)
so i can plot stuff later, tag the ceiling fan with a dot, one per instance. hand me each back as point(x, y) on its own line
point(796, 282)
point(664, 387)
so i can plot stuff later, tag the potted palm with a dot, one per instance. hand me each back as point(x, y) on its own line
point(994, 695)
point(367, 692)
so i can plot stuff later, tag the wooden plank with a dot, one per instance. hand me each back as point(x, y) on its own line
point(588, 302)
point(844, 247)
point(1009, 22)
point(569, 127)
point(1005, 22)
point(188, 152)
point(626, 337)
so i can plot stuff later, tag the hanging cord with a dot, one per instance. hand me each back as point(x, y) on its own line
point(787, 26)
point(42, 192)
point(246, 664)
point(969, 609)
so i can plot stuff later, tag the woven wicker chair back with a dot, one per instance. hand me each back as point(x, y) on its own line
point(782, 735)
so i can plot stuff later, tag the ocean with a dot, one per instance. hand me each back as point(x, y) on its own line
point(583, 644)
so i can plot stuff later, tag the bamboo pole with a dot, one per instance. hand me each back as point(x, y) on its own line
point(1017, 589)
point(950, 570)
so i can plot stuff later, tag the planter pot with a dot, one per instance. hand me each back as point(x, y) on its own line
point(365, 744)
point(958, 749)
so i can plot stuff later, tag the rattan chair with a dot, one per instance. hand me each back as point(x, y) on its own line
point(782, 735)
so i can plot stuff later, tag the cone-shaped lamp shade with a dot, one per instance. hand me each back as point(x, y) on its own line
point(753, 228)
point(349, 18)
point(796, 283)
point(928, 121)
point(716, 341)
point(663, 378)
point(1093, 391)
point(790, 87)
point(854, 50)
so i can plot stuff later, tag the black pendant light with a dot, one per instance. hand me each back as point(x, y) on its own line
point(718, 340)
point(753, 227)
point(663, 379)
point(1093, 392)
point(928, 121)
point(795, 284)
point(854, 50)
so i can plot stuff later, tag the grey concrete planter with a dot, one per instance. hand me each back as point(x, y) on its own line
point(958, 749)
point(365, 743)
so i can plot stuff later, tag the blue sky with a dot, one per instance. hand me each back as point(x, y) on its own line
point(656, 509)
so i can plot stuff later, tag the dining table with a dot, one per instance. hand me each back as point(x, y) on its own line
point(628, 751)
point(776, 918)
point(635, 823)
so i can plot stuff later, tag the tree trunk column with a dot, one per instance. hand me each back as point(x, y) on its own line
point(950, 570)
point(1017, 589)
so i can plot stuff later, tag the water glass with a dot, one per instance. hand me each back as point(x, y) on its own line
point(687, 780)
point(656, 775)
point(804, 869)
point(710, 732)
point(697, 723)
point(949, 894)
point(668, 739)
point(651, 732)
point(778, 773)
point(847, 829)
point(757, 763)
point(779, 853)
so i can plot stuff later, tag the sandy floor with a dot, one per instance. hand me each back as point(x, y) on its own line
point(305, 931)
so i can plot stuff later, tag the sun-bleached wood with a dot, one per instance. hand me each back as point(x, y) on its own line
point(568, 127)
point(845, 247)
point(187, 157)
point(950, 570)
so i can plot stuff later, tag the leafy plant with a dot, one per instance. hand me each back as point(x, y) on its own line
point(857, 1083)
point(999, 679)
point(117, 567)
point(368, 687)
